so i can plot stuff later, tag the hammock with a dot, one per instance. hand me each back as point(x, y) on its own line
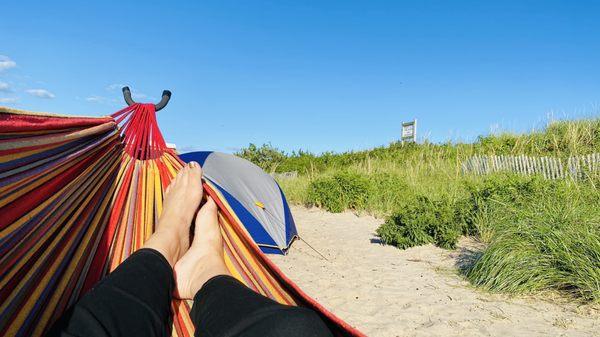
point(78, 195)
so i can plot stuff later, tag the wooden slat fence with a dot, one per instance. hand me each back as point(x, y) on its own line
point(577, 167)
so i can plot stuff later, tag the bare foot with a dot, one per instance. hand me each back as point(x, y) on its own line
point(204, 259)
point(182, 198)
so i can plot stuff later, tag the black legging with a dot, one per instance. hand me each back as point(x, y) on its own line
point(134, 300)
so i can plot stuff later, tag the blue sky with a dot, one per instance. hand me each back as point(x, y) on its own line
point(317, 75)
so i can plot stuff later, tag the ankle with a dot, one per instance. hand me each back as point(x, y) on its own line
point(174, 221)
point(166, 242)
point(210, 270)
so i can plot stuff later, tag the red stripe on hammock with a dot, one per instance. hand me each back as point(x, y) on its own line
point(10, 122)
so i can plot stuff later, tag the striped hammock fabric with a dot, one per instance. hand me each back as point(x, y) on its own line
point(78, 195)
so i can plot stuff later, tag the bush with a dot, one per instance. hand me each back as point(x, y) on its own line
point(266, 157)
point(338, 192)
point(506, 188)
point(420, 221)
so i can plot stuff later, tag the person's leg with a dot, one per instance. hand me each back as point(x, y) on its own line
point(222, 305)
point(134, 300)
point(226, 307)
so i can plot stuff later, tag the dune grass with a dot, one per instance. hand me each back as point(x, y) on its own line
point(540, 235)
point(548, 240)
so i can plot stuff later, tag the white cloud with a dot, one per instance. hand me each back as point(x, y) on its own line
point(100, 99)
point(6, 63)
point(41, 93)
point(8, 99)
point(139, 96)
point(95, 99)
point(115, 86)
point(4, 87)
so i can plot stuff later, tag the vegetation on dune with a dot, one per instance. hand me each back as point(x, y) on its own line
point(340, 191)
point(559, 138)
point(539, 234)
point(543, 240)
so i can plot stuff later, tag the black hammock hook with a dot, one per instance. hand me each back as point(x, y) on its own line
point(166, 96)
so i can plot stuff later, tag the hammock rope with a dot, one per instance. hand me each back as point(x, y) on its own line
point(78, 195)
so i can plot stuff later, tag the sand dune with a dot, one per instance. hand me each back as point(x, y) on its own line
point(384, 291)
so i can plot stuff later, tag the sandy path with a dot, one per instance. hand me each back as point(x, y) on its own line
point(385, 291)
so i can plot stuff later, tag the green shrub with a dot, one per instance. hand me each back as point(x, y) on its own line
point(340, 191)
point(422, 220)
point(507, 188)
point(266, 157)
point(464, 215)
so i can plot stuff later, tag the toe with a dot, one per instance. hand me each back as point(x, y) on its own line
point(195, 172)
point(185, 172)
point(178, 176)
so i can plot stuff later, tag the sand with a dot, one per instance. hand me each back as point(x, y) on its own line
point(385, 291)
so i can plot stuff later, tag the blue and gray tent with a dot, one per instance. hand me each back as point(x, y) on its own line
point(254, 196)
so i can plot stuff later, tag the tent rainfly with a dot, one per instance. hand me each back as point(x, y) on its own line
point(254, 196)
